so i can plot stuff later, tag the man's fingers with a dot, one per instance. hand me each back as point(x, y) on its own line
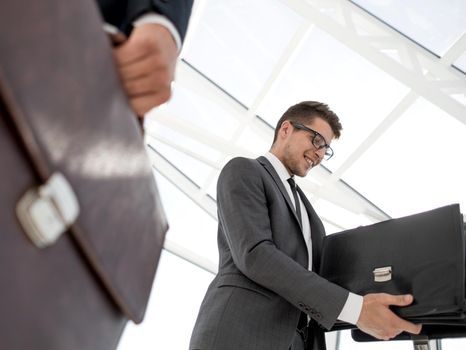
point(416, 329)
point(409, 327)
point(398, 300)
point(143, 104)
point(377, 319)
point(140, 67)
point(126, 53)
point(135, 49)
point(146, 63)
point(149, 84)
point(146, 40)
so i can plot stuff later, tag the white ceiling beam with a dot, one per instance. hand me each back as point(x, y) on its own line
point(190, 256)
point(286, 59)
point(454, 52)
point(192, 131)
point(196, 155)
point(324, 14)
point(343, 196)
point(183, 183)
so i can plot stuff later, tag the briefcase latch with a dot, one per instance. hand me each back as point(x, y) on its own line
point(382, 274)
point(47, 211)
point(420, 342)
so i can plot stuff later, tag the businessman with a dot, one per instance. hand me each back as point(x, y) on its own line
point(147, 60)
point(266, 295)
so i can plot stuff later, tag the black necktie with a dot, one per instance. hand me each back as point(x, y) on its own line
point(296, 199)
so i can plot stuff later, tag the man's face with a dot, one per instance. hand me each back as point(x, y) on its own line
point(295, 149)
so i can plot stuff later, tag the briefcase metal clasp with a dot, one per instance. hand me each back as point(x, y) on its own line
point(420, 342)
point(47, 211)
point(382, 274)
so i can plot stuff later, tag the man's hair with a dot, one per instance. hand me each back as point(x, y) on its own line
point(306, 111)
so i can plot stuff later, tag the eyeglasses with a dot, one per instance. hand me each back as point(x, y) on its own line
point(317, 139)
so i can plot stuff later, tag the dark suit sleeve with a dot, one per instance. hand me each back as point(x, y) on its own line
point(244, 216)
point(123, 13)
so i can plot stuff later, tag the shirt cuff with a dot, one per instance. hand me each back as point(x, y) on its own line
point(352, 309)
point(152, 17)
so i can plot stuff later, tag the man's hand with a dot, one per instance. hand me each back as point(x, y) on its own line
point(379, 321)
point(146, 62)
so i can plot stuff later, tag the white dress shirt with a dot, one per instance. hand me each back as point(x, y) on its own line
point(352, 308)
point(152, 17)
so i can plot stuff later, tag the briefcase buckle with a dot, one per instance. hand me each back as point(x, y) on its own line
point(382, 274)
point(420, 342)
point(47, 211)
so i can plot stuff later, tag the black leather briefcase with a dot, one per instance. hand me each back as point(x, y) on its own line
point(421, 254)
point(428, 332)
point(456, 329)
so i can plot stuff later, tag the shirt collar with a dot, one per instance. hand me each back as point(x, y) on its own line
point(278, 166)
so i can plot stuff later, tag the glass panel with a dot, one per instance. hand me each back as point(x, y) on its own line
point(197, 171)
point(436, 25)
point(184, 140)
point(359, 92)
point(237, 43)
point(453, 344)
point(172, 309)
point(461, 63)
point(252, 140)
point(196, 109)
point(340, 216)
point(417, 165)
point(212, 189)
point(190, 226)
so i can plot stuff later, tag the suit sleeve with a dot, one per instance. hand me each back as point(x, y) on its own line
point(244, 217)
point(123, 13)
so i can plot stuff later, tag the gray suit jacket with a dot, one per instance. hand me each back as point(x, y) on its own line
point(263, 283)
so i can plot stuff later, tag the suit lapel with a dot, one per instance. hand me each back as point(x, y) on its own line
point(270, 169)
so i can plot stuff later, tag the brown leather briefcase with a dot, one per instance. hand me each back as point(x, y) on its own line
point(81, 224)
